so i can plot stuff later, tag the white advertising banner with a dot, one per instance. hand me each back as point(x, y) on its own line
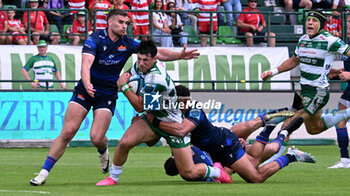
point(243, 106)
point(214, 64)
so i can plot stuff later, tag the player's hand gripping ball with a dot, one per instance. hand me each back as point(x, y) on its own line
point(136, 84)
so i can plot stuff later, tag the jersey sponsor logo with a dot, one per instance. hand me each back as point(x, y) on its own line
point(122, 48)
point(176, 140)
point(195, 113)
point(108, 62)
point(81, 97)
point(152, 101)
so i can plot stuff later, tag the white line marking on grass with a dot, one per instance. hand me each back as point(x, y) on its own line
point(23, 191)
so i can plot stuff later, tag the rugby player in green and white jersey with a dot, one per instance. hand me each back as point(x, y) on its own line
point(157, 82)
point(315, 53)
point(43, 66)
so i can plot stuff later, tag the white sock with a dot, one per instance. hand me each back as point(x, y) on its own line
point(333, 118)
point(345, 160)
point(285, 133)
point(213, 172)
point(115, 172)
point(275, 156)
point(44, 172)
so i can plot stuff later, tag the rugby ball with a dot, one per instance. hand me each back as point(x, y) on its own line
point(136, 83)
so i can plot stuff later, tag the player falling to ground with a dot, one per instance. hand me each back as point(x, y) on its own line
point(315, 54)
point(224, 146)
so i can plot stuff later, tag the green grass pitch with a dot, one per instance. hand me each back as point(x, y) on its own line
point(78, 170)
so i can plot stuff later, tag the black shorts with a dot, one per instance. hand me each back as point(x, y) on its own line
point(229, 151)
point(100, 101)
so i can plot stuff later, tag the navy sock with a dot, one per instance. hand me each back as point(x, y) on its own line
point(343, 142)
point(279, 139)
point(261, 139)
point(284, 160)
point(102, 151)
point(49, 163)
point(267, 131)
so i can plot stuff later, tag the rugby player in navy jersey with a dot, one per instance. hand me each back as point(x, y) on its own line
point(224, 146)
point(104, 55)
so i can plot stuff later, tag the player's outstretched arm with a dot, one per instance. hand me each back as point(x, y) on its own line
point(285, 66)
point(169, 55)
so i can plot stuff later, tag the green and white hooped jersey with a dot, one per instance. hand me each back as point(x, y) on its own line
point(157, 80)
point(43, 67)
point(316, 57)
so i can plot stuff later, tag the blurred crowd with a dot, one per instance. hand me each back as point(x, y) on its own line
point(64, 21)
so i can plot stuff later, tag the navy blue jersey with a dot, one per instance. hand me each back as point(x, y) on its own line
point(205, 136)
point(110, 58)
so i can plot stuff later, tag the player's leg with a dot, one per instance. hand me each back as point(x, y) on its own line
point(185, 165)
point(138, 132)
point(330, 120)
point(269, 150)
point(343, 139)
point(314, 100)
point(250, 174)
point(101, 121)
point(74, 115)
point(271, 119)
point(256, 151)
point(244, 129)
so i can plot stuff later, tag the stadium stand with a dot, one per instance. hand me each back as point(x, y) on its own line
point(286, 35)
point(226, 35)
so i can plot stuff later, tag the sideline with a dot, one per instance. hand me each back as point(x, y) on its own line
point(23, 191)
